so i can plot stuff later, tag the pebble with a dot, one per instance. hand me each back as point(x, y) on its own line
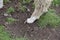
point(5, 14)
point(28, 10)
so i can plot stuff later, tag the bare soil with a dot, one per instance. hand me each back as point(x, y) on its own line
point(31, 31)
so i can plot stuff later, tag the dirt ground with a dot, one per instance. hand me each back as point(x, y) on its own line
point(31, 31)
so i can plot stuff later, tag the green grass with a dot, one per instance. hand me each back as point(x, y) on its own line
point(49, 18)
point(4, 35)
point(56, 2)
point(10, 10)
point(23, 8)
point(10, 20)
point(26, 1)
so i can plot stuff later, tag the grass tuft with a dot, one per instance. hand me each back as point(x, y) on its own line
point(49, 18)
point(3, 34)
point(10, 10)
point(10, 20)
point(23, 8)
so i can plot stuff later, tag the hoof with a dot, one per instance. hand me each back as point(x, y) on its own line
point(31, 20)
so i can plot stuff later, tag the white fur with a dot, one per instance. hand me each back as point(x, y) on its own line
point(1, 3)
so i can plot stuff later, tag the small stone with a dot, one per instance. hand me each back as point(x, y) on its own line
point(31, 35)
point(5, 14)
point(28, 10)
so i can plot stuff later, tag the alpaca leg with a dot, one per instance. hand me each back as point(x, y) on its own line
point(44, 9)
point(33, 16)
point(48, 4)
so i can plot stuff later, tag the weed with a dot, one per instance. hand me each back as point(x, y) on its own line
point(1, 28)
point(10, 20)
point(49, 18)
point(23, 8)
point(10, 10)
